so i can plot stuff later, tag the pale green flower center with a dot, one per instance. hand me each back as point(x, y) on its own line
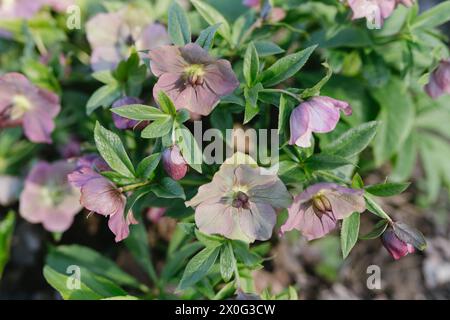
point(52, 194)
point(20, 105)
point(194, 74)
point(8, 4)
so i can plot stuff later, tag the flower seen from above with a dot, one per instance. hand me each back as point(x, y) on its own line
point(191, 77)
point(24, 104)
point(240, 203)
point(48, 198)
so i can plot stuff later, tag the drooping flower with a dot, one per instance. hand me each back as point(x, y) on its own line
point(48, 198)
point(192, 79)
point(121, 122)
point(375, 11)
point(396, 247)
point(10, 187)
point(439, 83)
point(111, 36)
point(174, 163)
point(240, 202)
point(319, 114)
point(100, 195)
point(22, 103)
point(316, 210)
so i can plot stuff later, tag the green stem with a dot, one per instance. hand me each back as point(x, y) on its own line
point(134, 186)
point(293, 95)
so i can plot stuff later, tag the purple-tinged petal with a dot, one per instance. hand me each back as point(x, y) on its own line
point(301, 134)
point(166, 59)
point(152, 36)
point(258, 221)
point(345, 201)
point(215, 218)
point(220, 78)
point(120, 226)
point(174, 164)
point(323, 115)
point(396, 247)
point(121, 122)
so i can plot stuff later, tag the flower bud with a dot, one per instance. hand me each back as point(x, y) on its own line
point(396, 247)
point(174, 163)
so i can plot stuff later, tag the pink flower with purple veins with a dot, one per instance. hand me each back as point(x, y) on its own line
point(375, 11)
point(439, 83)
point(112, 35)
point(48, 198)
point(100, 195)
point(240, 203)
point(22, 103)
point(191, 78)
point(316, 210)
point(319, 114)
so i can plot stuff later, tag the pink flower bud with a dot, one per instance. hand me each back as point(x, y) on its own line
point(174, 163)
point(439, 83)
point(396, 247)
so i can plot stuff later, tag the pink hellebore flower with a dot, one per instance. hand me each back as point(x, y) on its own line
point(191, 78)
point(316, 210)
point(240, 203)
point(439, 83)
point(111, 36)
point(22, 103)
point(174, 163)
point(100, 195)
point(319, 114)
point(26, 9)
point(396, 247)
point(48, 198)
point(375, 11)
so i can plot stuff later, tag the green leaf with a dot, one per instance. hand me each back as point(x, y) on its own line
point(213, 17)
point(178, 25)
point(251, 102)
point(139, 112)
point(433, 17)
point(104, 96)
point(177, 260)
point(285, 67)
point(387, 189)
point(410, 235)
point(61, 257)
point(353, 141)
point(92, 287)
point(243, 254)
point(148, 165)
point(396, 119)
point(166, 104)
point(112, 151)
point(285, 110)
point(198, 267)
point(104, 76)
point(377, 230)
point(6, 232)
point(357, 181)
point(267, 48)
point(349, 233)
point(323, 161)
point(251, 65)
point(169, 189)
point(227, 262)
point(189, 147)
point(206, 37)
point(158, 128)
point(209, 240)
point(373, 207)
point(137, 243)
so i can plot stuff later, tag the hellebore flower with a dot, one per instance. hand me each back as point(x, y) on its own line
point(319, 114)
point(100, 195)
point(71, 149)
point(9, 189)
point(240, 203)
point(22, 103)
point(174, 164)
point(439, 83)
point(111, 36)
point(191, 78)
point(375, 11)
point(48, 198)
point(26, 9)
point(316, 210)
point(396, 247)
point(121, 122)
